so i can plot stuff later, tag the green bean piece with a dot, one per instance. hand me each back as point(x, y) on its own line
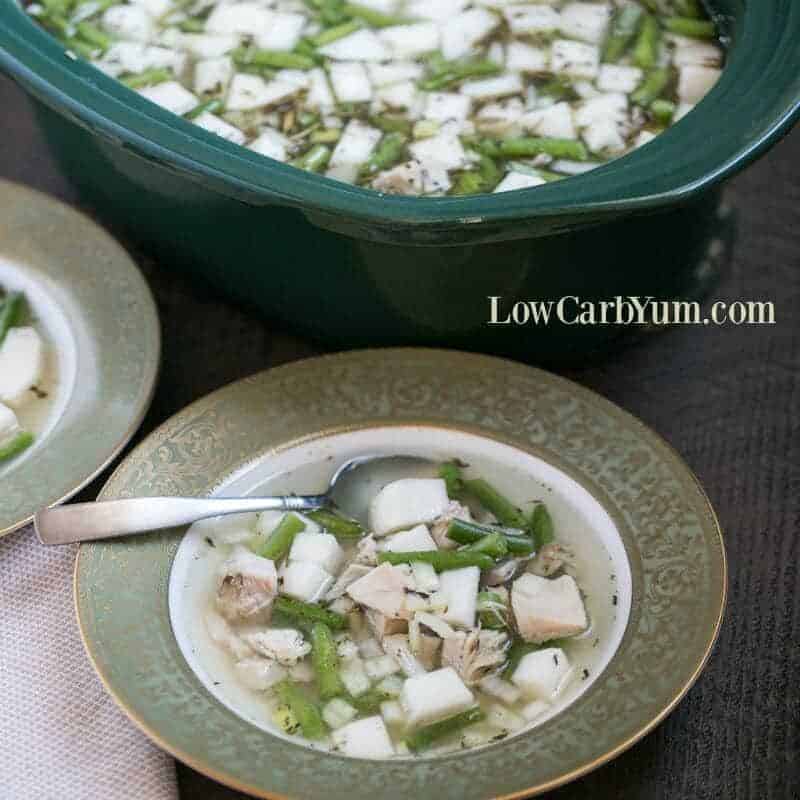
point(22, 441)
point(623, 30)
point(325, 136)
point(541, 526)
point(695, 28)
point(527, 147)
point(341, 527)
point(663, 111)
point(212, 106)
point(10, 312)
point(647, 49)
point(450, 472)
point(449, 73)
point(314, 160)
point(330, 12)
point(272, 59)
point(440, 560)
point(92, 35)
point(279, 542)
point(325, 660)
point(336, 32)
point(518, 650)
point(467, 183)
point(493, 544)
point(370, 701)
point(503, 509)
point(425, 737)
point(652, 87)
point(390, 124)
point(303, 709)
point(192, 25)
point(149, 77)
point(688, 8)
point(559, 88)
point(492, 611)
point(309, 613)
point(469, 532)
point(390, 151)
point(374, 18)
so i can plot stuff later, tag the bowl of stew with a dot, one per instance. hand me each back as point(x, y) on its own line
point(414, 160)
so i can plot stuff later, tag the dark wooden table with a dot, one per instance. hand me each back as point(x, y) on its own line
point(727, 398)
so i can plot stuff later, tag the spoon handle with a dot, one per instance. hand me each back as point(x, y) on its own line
point(84, 522)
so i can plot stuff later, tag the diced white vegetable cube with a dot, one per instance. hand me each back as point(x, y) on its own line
point(585, 21)
point(172, 96)
point(305, 581)
point(695, 51)
point(575, 59)
point(259, 674)
point(643, 138)
point(460, 587)
point(604, 122)
point(523, 57)
point(282, 31)
point(137, 57)
point(155, 8)
point(132, 23)
point(438, 11)
point(414, 540)
point(435, 696)
point(275, 145)
point(284, 645)
point(392, 713)
point(21, 365)
point(426, 581)
point(379, 668)
point(212, 75)
point(414, 39)
point(354, 676)
point(695, 82)
point(246, 19)
point(618, 78)
point(213, 123)
point(204, 45)
point(350, 82)
point(524, 19)
point(487, 88)
point(248, 92)
point(299, 77)
point(445, 106)
point(391, 685)
point(518, 180)
point(555, 120)
point(400, 96)
point(338, 712)
point(463, 31)
point(542, 674)
point(318, 548)
point(319, 94)
point(394, 72)
point(361, 45)
point(354, 147)
point(547, 609)
point(411, 501)
point(365, 738)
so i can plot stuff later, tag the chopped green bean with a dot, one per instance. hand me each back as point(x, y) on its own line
point(647, 49)
point(192, 25)
point(315, 160)
point(279, 542)
point(389, 152)
point(326, 136)
point(341, 527)
point(329, 35)
point(272, 59)
point(450, 472)
point(526, 147)
point(541, 526)
point(325, 660)
point(559, 88)
point(303, 709)
point(695, 28)
point(652, 87)
point(503, 509)
point(440, 560)
point(493, 544)
point(425, 737)
point(212, 106)
point(370, 701)
point(309, 613)
point(688, 8)
point(10, 312)
point(663, 111)
point(623, 30)
point(467, 183)
point(92, 35)
point(449, 73)
point(149, 77)
point(469, 532)
point(389, 124)
point(373, 17)
point(22, 441)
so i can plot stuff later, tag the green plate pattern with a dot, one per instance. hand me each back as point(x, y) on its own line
point(113, 320)
point(668, 528)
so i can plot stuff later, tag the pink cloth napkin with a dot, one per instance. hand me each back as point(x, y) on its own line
point(61, 736)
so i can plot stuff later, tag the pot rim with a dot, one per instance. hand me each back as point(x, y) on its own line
point(700, 151)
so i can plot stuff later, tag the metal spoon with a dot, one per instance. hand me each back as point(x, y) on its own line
point(85, 522)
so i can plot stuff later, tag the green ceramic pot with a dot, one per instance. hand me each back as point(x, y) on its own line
point(347, 266)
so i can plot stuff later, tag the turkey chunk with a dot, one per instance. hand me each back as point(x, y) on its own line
point(475, 654)
point(547, 609)
point(384, 589)
point(247, 585)
point(285, 645)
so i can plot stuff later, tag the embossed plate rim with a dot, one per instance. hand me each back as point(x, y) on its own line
point(71, 230)
point(710, 536)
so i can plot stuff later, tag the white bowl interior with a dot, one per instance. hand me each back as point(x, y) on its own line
point(580, 522)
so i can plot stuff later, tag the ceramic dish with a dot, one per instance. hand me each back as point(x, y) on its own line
point(605, 474)
point(102, 339)
point(411, 270)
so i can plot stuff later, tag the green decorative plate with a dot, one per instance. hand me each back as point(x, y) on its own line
point(608, 478)
point(102, 344)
